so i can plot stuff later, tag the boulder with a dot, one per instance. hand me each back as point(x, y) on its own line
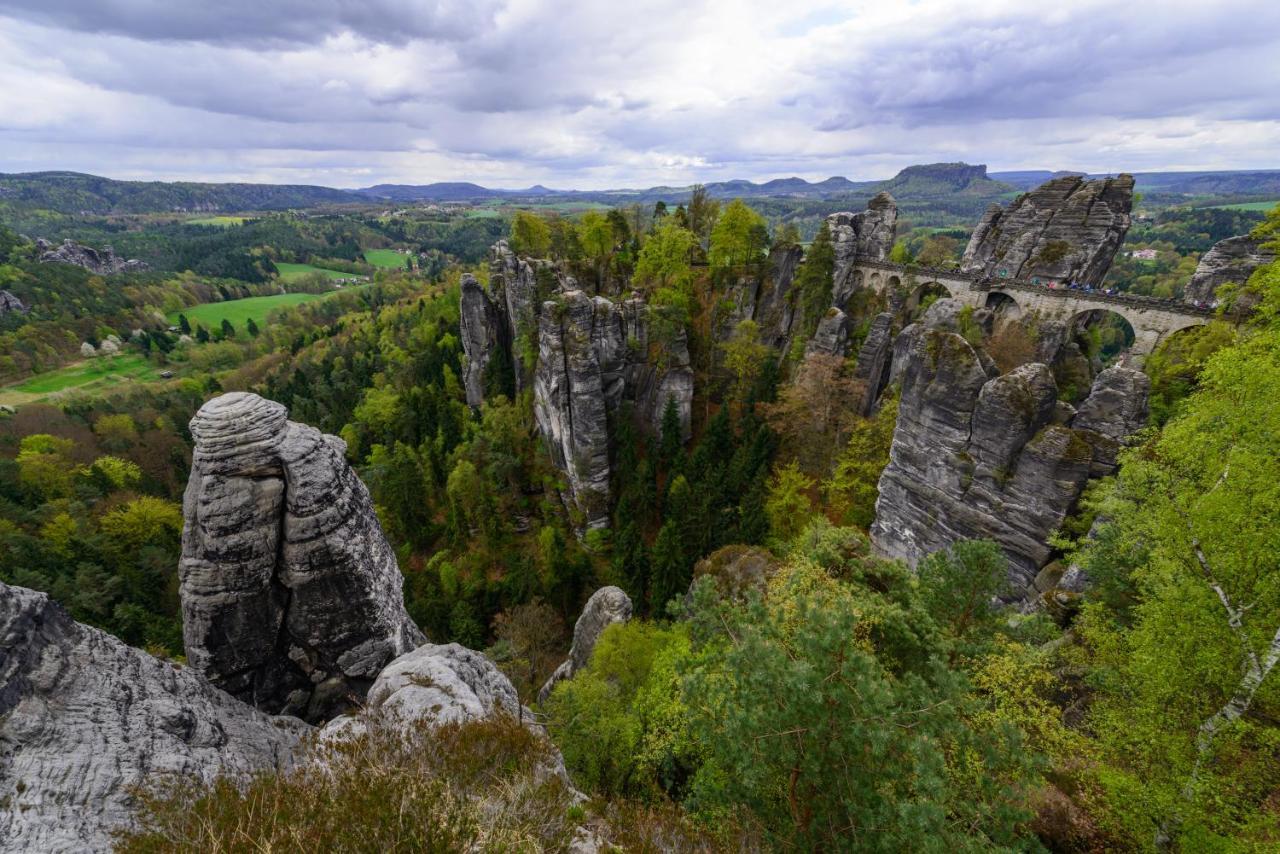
point(104, 263)
point(291, 595)
point(1067, 230)
point(607, 606)
point(1231, 260)
point(10, 304)
point(83, 717)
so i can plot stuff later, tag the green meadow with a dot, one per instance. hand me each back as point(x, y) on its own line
point(386, 259)
point(1261, 207)
point(92, 374)
point(211, 314)
point(289, 272)
point(220, 221)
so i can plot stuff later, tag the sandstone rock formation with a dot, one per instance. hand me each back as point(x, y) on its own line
point(1067, 230)
point(83, 717)
point(291, 596)
point(485, 337)
point(607, 606)
point(874, 362)
point(433, 684)
point(831, 338)
point(868, 235)
point(103, 263)
point(980, 455)
point(774, 313)
point(10, 303)
point(1230, 260)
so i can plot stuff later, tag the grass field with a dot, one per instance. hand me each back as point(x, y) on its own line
point(387, 259)
point(289, 272)
point(90, 375)
point(483, 213)
point(1262, 207)
point(238, 311)
point(221, 221)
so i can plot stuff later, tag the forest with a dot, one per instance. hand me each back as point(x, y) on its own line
point(781, 687)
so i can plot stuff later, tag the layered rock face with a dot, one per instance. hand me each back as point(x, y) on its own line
point(1067, 229)
point(1230, 260)
point(867, 235)
point(832, 335)
point(607, 606)
point(979, 455)
point(83, 717)
point(874, 362)
point(291, 596)
point(103, 263)
point(485, 337)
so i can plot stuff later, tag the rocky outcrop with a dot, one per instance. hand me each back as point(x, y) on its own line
point(485, 337)
point(291, 596)
point(867, 235)
point(83, 717)
point(1066, 230)
point(11, 304)
point(874, 362)
point(832, 335)
point(976, 455)
point(774, 313)
point(1230, 260)
point(104, 263)
point(607, 606)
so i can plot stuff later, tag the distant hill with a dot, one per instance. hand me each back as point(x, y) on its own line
point(1029, 178)
point(943, 179)
point(76, 193)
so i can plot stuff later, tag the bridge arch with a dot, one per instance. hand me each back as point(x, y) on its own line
point(1003, 305)
point(1104, 332)
point(922, 294)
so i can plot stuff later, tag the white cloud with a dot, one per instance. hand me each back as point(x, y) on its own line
point(589, 94)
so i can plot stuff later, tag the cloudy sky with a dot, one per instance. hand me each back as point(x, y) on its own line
point(609, 93)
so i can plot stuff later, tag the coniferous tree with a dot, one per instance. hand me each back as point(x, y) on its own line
point(184, 325)
point(669, 567)
point(672, 439)
point(228, 331)
point(202, 335)
point(251, 328)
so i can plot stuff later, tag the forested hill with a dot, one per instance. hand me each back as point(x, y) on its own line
point(77, 193)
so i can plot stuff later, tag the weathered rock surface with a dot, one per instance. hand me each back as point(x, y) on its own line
point(874, 362)
point(867, 235)
point(607, 606)
point(103, 263)
point(831, 338)
point(485, 336)
point(1230, 260)
point(291, 596)
point(83, 717)
point(774, 312)
point(981, 456)
point(10, 303)
point(1067, 229)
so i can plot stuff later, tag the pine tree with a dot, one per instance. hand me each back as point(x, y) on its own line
point(202, 335)
point(184, 324)
point(228, 331)
point(672, 439)
point(631, 560)
point(670, 569)
point(252, 328)
point(815, 279)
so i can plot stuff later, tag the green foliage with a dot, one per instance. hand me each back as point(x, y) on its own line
point(815, 279)
point(740, 236)
point(1181, 644)
point(853, 487)
point(530, 235)
point(958, 586)
point(788, 505)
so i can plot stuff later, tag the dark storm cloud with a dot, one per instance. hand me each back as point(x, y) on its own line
point(260, 22)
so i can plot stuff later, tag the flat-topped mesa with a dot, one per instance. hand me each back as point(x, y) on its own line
point(981, 455)
point(291, 596)
point(1229, 261)
point(1065, 230)
point(84, 718)
point(868, 235)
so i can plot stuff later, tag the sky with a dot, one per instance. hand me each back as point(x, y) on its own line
point(605, 94)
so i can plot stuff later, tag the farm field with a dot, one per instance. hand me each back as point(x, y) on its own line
point(92, 374)
point(289, 272)
point(1261, 207)
point(221, 221)
point(387, 259)
point(210, 314)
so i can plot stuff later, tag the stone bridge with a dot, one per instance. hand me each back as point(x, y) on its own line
point(1151, 319)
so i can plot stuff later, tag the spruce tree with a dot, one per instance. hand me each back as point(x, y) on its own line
point(815, 279)
point(228, 331)
point(670, 569)
point(672, 439)
point(252, 328)
point(184, 324)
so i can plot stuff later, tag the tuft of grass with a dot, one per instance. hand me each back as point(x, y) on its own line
point(480, 785)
